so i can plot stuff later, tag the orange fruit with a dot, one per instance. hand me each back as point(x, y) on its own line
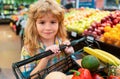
point(107, 28)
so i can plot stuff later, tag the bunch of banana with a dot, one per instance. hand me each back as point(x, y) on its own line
point(103, 56)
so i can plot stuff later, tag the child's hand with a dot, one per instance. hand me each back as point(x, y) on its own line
point(68, 49)
point(55, 49)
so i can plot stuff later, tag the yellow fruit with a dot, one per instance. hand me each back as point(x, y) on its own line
point(117, 60)
point(101, 56)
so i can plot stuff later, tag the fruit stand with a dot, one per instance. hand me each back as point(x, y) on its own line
point(103, 25)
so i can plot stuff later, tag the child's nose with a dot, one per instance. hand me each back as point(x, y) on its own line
point(48, 26)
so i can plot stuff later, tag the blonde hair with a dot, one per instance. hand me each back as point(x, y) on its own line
point(37, 10)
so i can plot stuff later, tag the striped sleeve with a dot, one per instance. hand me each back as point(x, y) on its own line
point(26, 69)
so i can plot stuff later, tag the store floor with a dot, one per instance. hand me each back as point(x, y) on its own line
point(10, 47)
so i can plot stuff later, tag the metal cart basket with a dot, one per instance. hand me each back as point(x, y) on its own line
point(63, 65)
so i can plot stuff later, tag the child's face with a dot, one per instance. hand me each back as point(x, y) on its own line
point(47, 26)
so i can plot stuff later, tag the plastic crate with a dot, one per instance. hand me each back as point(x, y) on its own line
point(87, 3)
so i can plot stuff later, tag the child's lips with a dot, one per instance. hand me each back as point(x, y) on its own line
point(48, 32)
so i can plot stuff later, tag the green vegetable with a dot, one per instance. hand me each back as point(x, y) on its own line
point(90, 62)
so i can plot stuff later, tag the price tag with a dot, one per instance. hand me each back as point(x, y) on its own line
point(74, 34)
point(90, 39)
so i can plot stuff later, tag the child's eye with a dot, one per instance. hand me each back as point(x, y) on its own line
point(53, 22)
point(41, 22)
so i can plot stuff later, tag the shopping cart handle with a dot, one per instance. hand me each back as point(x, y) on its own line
point(36, 57)
point(74, 42)
point(47, 53)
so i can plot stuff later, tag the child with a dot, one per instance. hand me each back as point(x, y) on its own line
point(45, 30)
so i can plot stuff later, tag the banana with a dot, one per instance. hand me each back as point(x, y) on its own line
point(101, 56)
point(117, 60)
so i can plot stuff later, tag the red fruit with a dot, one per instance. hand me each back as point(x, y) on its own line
point(115, 21)
point(93, 25)
point(103, 20)
point(94, 33)
point(103, 24)
point(114, 16)
point(118, 18)
point(113, 77)
point(98, 24)
point(106, 18)
point(91, 28)
point(101, 28)
point(108, 23)
point(85, 32)
point(97, 76)
point(98, 32)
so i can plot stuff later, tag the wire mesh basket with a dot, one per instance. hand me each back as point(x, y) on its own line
point(63, 66)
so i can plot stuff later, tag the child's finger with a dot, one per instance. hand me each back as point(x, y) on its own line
point(66, 42)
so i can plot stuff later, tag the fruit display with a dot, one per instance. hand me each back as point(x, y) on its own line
point(105, 27)
point(103, 56)
point(79, 20)
point(101, 64)
point(111, 35)
point(97, 28)
point(87, 21)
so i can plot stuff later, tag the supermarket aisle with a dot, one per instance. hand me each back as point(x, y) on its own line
point(9, 51)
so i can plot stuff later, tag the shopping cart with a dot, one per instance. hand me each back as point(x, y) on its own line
point(63, 65)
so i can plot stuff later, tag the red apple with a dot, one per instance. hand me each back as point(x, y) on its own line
point(85, 32)
point(114, 16)
point(93, 25)
point(98, 24)
point(98, 32)
point(109, 23)
point(102, 29)
point(90, 32)
point(103, 24)
point(103, 20)
point(91, 28)
point(94, 34)
point(115, 21)
point(118, 18)
point(111, 16)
